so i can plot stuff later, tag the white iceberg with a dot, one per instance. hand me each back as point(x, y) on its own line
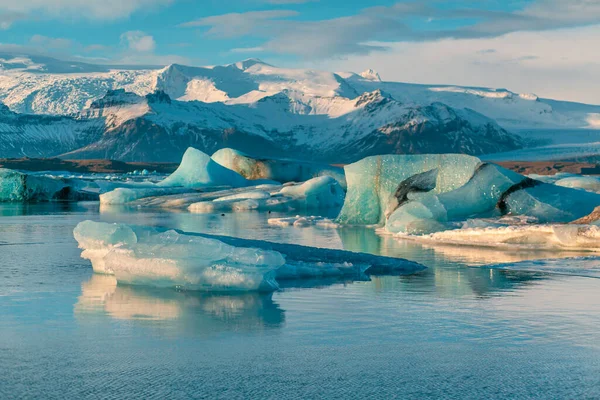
point(563, 237)
point(317, 193)
point(588, 183)
point(277, 170)
point(167, 258)
point(146, 256)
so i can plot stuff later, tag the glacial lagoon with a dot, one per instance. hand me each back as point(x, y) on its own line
point(455, 330)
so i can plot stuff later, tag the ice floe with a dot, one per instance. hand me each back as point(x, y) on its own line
point(167, 258)
point(317, 193)
point(537, 237)
point(303, 221)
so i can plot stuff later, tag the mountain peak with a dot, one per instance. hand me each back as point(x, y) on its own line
point(248, 63)
point(116, 97)
point(370, 75)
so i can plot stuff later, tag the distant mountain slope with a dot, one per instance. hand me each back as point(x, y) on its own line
point(46, 86)
point(125, 126)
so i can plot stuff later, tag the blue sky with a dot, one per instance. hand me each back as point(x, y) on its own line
point(514, 36)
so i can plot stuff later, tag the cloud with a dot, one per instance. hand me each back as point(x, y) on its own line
point(554, 64)
point(88, 9)
point(239, 24)
point(8, 18)
point(138, 41)
point(51, 43)
point(413, 21)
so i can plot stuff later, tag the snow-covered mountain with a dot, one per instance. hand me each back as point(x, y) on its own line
point(126, 126)
point(154, 113)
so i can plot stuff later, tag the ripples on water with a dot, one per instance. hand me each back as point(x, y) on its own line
point(457, 330)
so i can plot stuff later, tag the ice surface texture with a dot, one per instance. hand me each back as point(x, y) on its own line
point(277, 170)
point(169, 258)
point(421, 194)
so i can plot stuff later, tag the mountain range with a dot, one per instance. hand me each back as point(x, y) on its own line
point(78, 110)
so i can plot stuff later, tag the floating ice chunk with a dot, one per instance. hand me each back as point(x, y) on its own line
point(321, 192)
point(168, 258)
point(301, 222)
point(127, 195)
point(589, 183)
point(145, 256)
point(541, 237)
point(576, 266)
point(374, 181)
point(22, 187)
point(197, 169)
point(190, 196)
point(424, 194)
point(317, 193)
point(277, 170)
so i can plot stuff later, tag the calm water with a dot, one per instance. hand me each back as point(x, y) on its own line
point(458, 330)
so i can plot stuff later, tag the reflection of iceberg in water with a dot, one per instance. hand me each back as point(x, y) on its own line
point(445, 276)
point(203, 313)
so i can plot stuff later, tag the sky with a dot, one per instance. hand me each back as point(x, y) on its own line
point(547, 47)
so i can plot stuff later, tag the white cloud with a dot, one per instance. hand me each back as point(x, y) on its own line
point(561, 64)
point(89, 9)
point(239, 24)
point(356, 33)
point(138, 41)
point(51, 43)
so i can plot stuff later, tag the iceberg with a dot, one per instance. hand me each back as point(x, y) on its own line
point(588, 183)
point(277, 170)
point(148, 256)
point(17, 186)
point(317, 193)
point(128, 195)
point(374, 181)
point(197, 169)
point(419, 195)
point(563, 237)
point(303, 221)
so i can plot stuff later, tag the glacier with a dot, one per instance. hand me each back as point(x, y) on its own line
point(141, 255)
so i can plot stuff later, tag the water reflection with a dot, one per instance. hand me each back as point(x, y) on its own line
point(202, 313)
